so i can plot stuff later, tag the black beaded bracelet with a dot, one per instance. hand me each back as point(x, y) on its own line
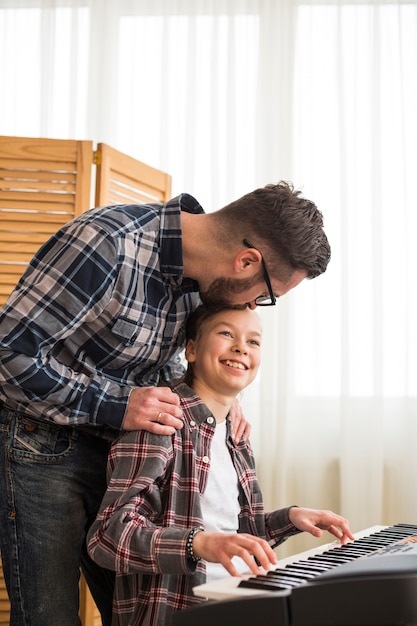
point(189, 545)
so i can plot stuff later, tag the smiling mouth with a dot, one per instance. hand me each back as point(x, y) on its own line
point(235, 364)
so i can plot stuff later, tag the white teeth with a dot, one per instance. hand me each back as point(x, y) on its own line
point(238, 366)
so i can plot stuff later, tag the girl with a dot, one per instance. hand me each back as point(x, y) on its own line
point(183, 509)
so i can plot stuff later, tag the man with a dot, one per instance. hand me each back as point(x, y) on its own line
point(88, 340)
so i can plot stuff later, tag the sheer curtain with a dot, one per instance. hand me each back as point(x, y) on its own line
point(228, 95)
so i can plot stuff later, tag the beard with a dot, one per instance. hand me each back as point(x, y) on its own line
point(221, 292)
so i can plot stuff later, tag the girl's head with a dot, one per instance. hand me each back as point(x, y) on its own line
point(223, 349)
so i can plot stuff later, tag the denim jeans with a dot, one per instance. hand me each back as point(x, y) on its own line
point(52, 480)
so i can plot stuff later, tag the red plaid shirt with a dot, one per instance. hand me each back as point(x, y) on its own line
point(151, 504)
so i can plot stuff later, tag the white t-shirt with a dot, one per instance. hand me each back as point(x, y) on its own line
point(220, 504)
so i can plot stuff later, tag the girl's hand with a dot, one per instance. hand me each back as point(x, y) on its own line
point(314, 522)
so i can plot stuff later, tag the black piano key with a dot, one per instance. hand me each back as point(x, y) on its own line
point(348, 554)
point(314, 567)
point(285, 574)
point(338, 560)
point(262, 582)
point(352, 553)
point(325, 561)
point(308, 569)
point(410, 529)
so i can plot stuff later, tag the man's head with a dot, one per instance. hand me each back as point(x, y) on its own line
point(285, 226)
point(277, 231)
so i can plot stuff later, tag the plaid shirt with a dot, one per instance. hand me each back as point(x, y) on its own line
point(100, 309)
point(151, 504)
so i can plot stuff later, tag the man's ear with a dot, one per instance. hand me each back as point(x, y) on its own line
point(190, 351)
point(247, 260)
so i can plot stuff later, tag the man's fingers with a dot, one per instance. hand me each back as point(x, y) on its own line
point(166, 419)
point(242, 431)
point(155, 406)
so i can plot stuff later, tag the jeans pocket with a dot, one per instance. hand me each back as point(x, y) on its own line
point(41, 441)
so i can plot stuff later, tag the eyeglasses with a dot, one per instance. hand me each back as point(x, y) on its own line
point(263, 300)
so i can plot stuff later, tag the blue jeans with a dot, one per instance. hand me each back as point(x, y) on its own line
point(52, 480)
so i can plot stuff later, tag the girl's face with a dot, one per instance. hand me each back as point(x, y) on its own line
point(226, 354)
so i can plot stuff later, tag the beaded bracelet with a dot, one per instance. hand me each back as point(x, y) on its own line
point(189, 545)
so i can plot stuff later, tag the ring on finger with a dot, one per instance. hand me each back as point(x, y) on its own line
point(158, 419)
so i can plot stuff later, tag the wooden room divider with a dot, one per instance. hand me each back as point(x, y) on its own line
point(45, 183)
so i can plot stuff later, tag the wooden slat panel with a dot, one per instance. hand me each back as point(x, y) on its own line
point(89, 613)
point(36, 184)
point(121, 191)
point(44, 183)
point(34, 207)
point(35, 224)
point(57, 196)
point(14, 177)
point(117, 196)
point(121, 179)
point(13, 237)
point(19, 248)
point(39, 150)
point(4, 601)
point(12, 269)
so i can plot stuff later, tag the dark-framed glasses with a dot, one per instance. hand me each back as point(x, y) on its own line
point(271, 299)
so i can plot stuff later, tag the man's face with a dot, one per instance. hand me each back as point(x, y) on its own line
point(223, 292)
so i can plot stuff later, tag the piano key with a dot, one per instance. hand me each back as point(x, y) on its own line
point(266, 584)
point(313, 566)
point(301, 571)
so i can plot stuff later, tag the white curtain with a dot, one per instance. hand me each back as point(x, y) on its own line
point(228, 95)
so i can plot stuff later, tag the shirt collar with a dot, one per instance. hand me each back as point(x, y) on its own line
point(196, 410)
point(171, 239)
point(193, 402)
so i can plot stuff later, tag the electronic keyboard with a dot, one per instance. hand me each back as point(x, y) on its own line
point(371, 581)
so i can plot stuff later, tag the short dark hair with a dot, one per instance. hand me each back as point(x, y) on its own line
point(196, 319)
point(285, 225)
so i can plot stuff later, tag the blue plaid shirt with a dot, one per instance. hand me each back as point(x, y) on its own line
point(100, 309)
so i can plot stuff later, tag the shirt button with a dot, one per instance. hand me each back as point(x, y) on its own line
point(206, 459)
point(192, 423)
point(210, 420)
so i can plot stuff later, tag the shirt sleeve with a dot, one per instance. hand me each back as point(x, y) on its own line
point(68, 283)
point(129, 534)
point(279, 527)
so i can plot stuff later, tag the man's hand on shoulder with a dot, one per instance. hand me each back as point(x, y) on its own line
point(240, 426)
point(156, 409)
